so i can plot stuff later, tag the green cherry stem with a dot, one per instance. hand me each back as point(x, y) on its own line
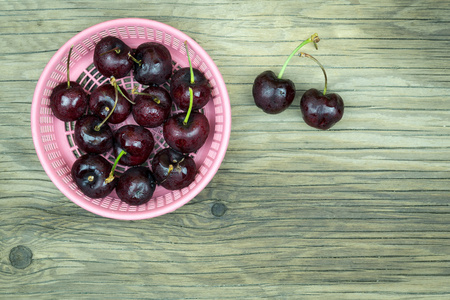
point(113, 83)
point(135, 92)
point(117, 50)
point(68, 64)
point(169, 170)
point(191, 102)
point(120, 91)
point(190, 63)
point(139, 62)
point(111, 174)
point(314, 39)
point(302, 54)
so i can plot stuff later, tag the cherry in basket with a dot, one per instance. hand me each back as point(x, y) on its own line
point(110, 102)
point(137, 141)
point(136, 185)
point(92, 135)
point(186, 131)
point(90, 173)
point(112, 57)
point(153, 106)
point(186, 78)
point(152, 63)
point(68, 100)
point(173, 170)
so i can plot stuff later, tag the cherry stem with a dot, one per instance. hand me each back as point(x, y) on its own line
point(155, 99)
point(116, 89)
point(116, 49)
point(191, 102)
point(302, 54)
point(170, 169)
point(120, 90)
point(139, 62)
point(68, 64)
point(314, 39)
point(111, 174)
point(190, 63)
point(168, 173)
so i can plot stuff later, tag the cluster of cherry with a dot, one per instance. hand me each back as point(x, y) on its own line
point(184, 132)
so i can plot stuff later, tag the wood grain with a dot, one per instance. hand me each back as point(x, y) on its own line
point(357, 212)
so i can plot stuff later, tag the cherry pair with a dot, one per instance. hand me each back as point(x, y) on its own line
point(273, 94)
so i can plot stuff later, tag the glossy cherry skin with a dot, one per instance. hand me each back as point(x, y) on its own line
point(179, 89)
point(102, 101)
point(136, 186)
point(108, 61)
point(186, 138)
point(272, 94)
point(155, 65)
point(183, 169)
point(89, 172)
point(90, 140)
point(137, 141)
point(68, 104)
point(321, 111)
point(148, 113)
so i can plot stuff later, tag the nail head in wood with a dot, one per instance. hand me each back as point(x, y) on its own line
point(20, 257)
point(218, 209)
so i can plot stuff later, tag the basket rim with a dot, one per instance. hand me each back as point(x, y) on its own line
point(57, 180)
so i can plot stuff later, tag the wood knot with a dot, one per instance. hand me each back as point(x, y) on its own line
point(20, 257)
point(218, 209)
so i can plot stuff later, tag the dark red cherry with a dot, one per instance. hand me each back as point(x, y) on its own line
point(136, 185)
point(68, 103)
point(321, 111)
point(68, 100)
point(187, 137)
point(91, 140)
point(272, 94)
point(89, 172)
point(179, 89)
point(111, 57)
point(173, 170)
point(136, 141)
point(153, 106)
point(102, 102)
point(153, 64)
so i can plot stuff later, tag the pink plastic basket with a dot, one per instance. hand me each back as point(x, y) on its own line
point(53, 139)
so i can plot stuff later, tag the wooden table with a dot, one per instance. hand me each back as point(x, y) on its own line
point(360, 211)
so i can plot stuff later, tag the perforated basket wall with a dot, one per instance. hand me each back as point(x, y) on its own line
point(53, 139)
